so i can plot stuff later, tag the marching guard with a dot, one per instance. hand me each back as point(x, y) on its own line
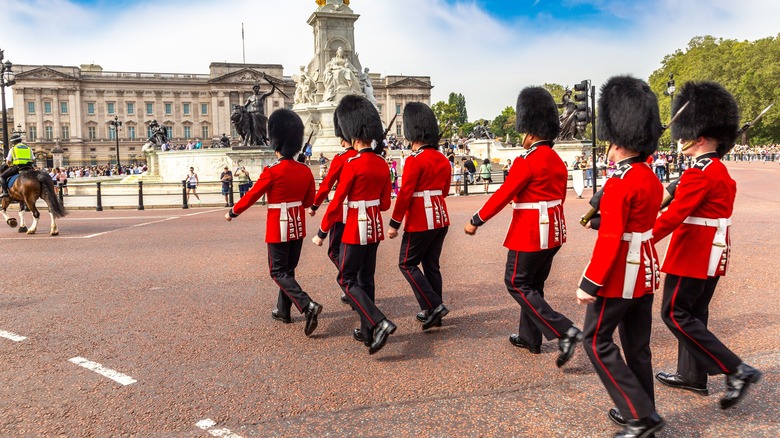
point(699, 219)
point(426, 182)
point(290, 189)
point(536, 184)
point(337, 229)
point(365, 185)
point(619, 282)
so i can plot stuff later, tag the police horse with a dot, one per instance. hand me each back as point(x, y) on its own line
point(26, 188)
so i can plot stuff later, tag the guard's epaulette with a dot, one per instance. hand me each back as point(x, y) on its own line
point(529, 151)
point(344, 152)
point(354, 158)
point(274, 164)
point(702, 164)
point(621, 171)
point(416, 153)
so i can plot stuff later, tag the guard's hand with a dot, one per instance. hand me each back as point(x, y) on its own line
point(470, 229)
point(311, 212)
point(317, 241)
point(584, 298)
point(392, 232)
point(227, 217)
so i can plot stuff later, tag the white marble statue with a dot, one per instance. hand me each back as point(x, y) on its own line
point(366, 87)
point(340, 76)
point(304, 88)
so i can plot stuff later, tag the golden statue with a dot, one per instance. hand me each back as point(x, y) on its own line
point(322, 2)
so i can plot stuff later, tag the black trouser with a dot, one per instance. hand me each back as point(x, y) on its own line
point(334, 249)
point(423, 247)
point(358, 263)
point(685, 311)
point(282, 261)
point(11, 171)
point(524, 277)
point(630, 382)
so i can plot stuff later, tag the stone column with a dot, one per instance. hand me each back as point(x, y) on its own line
point(76, 130)
point(38, 113)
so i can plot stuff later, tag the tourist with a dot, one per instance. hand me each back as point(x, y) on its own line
point(192, 184)
point(227, 181)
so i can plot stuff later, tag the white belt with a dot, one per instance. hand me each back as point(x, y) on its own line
point(544, 218)
point(718, 241)
point(426, 195)
point(633, 260)
point(363, 217)
point(284, 219)
point(344, 210)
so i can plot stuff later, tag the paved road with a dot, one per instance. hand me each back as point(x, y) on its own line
point(179, 302)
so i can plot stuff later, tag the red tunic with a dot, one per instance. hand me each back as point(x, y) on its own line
point(334, 173)
point(706, 190)
point(539, 176)
point(425, 169)
point(284, 181)
point(364, 177)
point(630, 204)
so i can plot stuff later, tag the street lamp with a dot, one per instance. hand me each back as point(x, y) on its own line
point(116, 124)
point(670, 89)
point(6, 80)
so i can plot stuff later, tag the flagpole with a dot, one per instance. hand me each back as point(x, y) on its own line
point(243, 46)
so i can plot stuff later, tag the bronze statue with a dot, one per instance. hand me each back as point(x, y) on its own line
point(571, 129)
point(157, 138)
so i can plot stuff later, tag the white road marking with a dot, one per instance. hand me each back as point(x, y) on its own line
point(208, 423)
point(103, 371)
point(12, 336)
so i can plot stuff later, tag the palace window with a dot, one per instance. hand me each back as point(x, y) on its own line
point(130, 108)
point(168, 109)
point(112, 132)
point(48, 132)
point(204, 109)
point(110, 107)
point(47, 107)
point(398, 108)
point(31, 107)
point(32, 133)
point(63, 107)
point(204, 131)
point(65, 132)
point(186, 109)
point(149, 109)
point(169, 131)
point(91, 132)
point(131, 132)
point(398, 129)
point(187, 132)
point(90, 107)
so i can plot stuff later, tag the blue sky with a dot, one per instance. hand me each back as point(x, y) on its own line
point(486, 49)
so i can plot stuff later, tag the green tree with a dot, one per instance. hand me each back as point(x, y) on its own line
point(458, 103)
point(451, 115)
point(748, 69)
point(504, 124)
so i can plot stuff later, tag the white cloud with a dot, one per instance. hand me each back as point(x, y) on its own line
point(461, 47)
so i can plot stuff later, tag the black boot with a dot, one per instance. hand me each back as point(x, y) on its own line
point(737, 384)
point(4, 194)
point(643, 428)
point(566, 345)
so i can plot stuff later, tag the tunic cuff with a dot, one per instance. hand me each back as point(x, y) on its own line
point(395, 224)
point(476, 220)
point(314, 207)
point(321, 234)
point(231, 213)
point(589, 287)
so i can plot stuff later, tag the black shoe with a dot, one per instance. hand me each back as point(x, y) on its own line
point(357, 335)
point(435, 316)
point(567, 344)
point(279, 317)
point(616, 417)
point(738, 383)
point(643, 428)
point(423, 315)
point(382, 331)
point(226, 205)
point(311, 312)
point(515, 340)
point(676, 381)
point(344, 299)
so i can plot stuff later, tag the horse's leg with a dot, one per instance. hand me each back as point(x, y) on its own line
point(36, 214)
point(9, 220)
point(22, 225)
point(54, 230)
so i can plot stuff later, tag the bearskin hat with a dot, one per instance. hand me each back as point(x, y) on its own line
point(537, 113)
point(358, 119)
point(336, 127)
point(420, 124)
point(285, 130)
point(712, 112)
point(628, 115)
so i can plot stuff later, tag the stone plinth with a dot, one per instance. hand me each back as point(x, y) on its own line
point(173, 166)
point(496, 152)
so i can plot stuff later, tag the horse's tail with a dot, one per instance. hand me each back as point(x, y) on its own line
point(47, 192)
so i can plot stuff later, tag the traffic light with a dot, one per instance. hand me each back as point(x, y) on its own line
point(581, 97)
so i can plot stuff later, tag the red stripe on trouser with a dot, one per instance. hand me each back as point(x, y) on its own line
point(514, 272)
point(596, 354)
point(671, 315)
point(409, 273)
point(346, 287)
point(271, 269)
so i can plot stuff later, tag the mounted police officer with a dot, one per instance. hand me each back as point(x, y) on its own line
point(19, 158)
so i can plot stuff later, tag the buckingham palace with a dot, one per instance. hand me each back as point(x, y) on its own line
point(78, 108)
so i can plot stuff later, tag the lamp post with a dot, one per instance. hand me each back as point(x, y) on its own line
point(6, 80)
point(670, 89)
point(116, 124)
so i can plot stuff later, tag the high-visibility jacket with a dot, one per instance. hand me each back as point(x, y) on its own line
point(21, 154)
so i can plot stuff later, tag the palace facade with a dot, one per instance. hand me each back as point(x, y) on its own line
point(76, 108)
